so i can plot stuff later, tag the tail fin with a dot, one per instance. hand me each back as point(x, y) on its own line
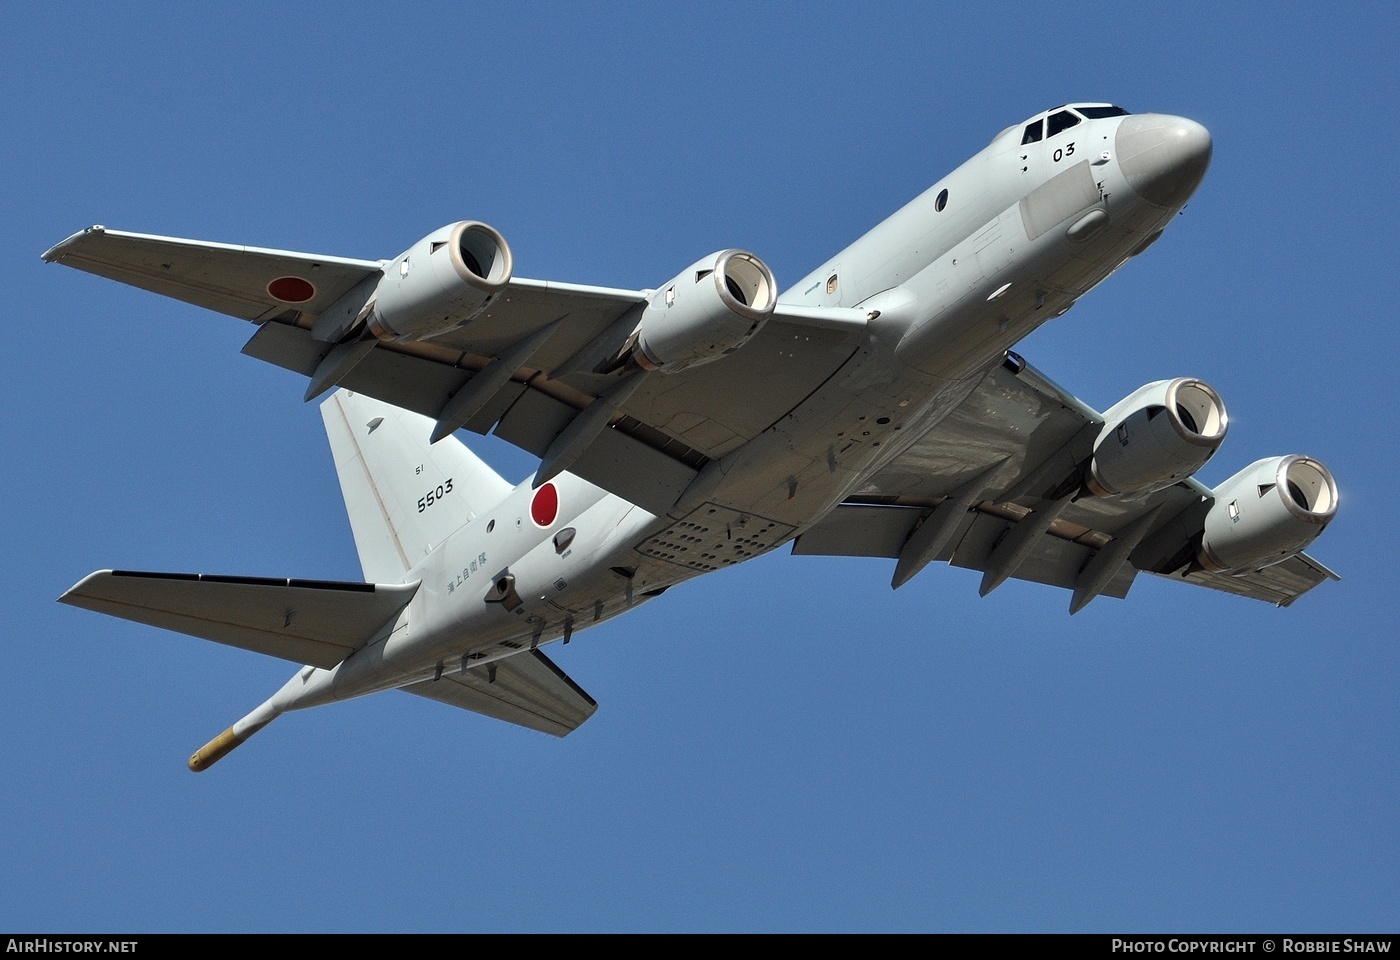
point(403, 494)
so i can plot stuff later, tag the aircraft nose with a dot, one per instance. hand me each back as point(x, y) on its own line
point(1163, 157)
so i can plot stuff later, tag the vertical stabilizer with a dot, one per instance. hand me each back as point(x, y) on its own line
point(403, 494)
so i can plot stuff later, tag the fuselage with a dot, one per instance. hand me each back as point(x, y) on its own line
point(950, 282)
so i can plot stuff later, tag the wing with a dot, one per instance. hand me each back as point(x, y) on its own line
point(525, 689)
point(239, 281)
point(313, 622)
point(994, 487)
point(524, 368)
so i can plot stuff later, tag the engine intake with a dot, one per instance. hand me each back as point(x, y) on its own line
point(708, 310)
point(441, 282)
point(1266, 513)
point(1158, 435)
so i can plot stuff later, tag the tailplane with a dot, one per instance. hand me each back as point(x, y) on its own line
point(314, 622)
point(404, 494)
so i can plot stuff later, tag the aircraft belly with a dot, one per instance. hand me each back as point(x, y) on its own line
point(766, 492)
point(713, 536)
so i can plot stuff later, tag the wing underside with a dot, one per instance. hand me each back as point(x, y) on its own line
point(237, 280)
point(863, 530)
point(993, 478)
point(525, 368)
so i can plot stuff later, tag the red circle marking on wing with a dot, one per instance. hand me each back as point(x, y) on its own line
point(291, 289)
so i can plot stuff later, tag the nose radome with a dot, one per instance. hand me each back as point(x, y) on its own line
point(1163, 158)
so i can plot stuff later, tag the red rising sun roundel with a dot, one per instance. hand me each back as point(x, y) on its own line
point(544, 508)
point(291, 289)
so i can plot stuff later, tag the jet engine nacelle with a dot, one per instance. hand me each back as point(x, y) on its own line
point(1159, 434)
point(1266, 513)
point(440, 282)
point(709, 310)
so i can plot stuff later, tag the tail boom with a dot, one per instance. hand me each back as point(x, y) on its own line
point(222, 745)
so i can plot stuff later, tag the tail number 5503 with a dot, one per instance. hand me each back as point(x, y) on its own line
point(443, 489)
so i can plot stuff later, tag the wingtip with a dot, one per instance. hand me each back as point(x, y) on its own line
point(55, 252)
point(74, 595)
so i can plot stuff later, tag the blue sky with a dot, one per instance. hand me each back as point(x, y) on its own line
point(784, 746)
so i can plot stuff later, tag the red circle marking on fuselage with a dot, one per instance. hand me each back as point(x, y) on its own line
point(291, 289)
point(544, 506)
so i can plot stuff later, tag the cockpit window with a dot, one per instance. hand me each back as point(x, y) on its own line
point(1059, 122)
point(1098, 113)
point(1033, 132)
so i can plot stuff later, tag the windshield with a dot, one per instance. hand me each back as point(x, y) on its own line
point(1098, 113)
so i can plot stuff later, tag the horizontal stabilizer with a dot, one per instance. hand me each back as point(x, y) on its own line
point(525, 689)
point(317, 622)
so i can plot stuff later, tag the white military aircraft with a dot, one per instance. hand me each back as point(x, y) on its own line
point(875, 409)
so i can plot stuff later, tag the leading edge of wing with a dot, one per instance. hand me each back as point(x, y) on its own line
point(825, 318)
point(87, 239)
point(316, 622)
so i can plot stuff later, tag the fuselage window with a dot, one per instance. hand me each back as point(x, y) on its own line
point(1033, 132)
point(1059, 122)
point(941, 202)
point(1098, 113)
